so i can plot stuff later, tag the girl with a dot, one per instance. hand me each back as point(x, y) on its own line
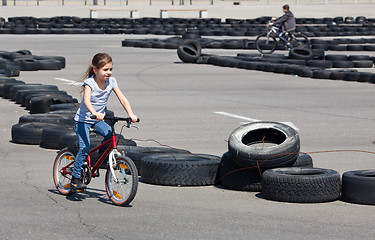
point(96, 90)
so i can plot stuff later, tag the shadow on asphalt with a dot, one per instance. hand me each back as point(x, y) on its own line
point(88, 193)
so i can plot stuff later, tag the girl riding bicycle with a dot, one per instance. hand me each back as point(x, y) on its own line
point(96, 90)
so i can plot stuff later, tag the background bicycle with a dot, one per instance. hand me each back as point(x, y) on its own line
point(267, 42)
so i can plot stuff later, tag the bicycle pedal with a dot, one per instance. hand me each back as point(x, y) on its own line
point(97, 174)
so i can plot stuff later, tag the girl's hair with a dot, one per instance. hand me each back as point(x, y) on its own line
point(98, 61)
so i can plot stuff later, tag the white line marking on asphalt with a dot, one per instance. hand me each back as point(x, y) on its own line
point(69, 81)
point(253, 119)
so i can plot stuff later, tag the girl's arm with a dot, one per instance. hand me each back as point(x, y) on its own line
point(87, 102)
point(125, 103)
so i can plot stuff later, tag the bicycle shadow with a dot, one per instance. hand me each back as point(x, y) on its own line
point(87, 194)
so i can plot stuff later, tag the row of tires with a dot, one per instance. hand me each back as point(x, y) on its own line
point(291, 69)
point(177, 26)
point(12, 62)
point(37, 98)
point(179, 31)
point(152, 20)
point(300, 62)
point(210, 43)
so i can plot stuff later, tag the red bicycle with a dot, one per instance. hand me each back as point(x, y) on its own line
point(121, 178)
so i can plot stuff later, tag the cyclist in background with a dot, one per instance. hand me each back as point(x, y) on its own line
point(287, 23)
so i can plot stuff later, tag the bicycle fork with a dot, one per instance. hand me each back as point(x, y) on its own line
point(112, 160)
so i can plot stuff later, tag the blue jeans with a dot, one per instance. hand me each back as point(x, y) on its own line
point(281, 36)
point(83, 134)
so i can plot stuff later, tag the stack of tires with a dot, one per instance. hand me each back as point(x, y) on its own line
point(265, 156)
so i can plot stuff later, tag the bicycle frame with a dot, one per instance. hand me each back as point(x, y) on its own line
point(112, 145)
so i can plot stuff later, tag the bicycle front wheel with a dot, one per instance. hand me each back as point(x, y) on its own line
point(62, 170)
point(122, 186)
point(301, 41)
point(265, 44)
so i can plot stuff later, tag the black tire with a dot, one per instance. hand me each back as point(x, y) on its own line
point(238, 178)
point(265, 44)
point(27, 64)
point(305, 72)
point(137, 153)
point(7, 86)
point(245, 151)
point(318, 53)
point(294, 61)
point(42, 104)
point(301, 53)
point(301, 185)
point(336, 57)
point(321, 74)
point(337, 47)
point(352, 76)
point(15, 89)
point(337, 75)
point(303, 160)
point(64, 106)
point(354, 48)
point(21, 94)
point(29, 132)
point(342, 64)
point(358, 187)
point(70, 140)
point(61, 59)
point(27, 96)
point(51, 135)
point(47, 118)
point(189, 51)
point(365, 77)
point(180, 169)
point(363, 64)
point(359, 58)
point(319, 63)
point(50, 64)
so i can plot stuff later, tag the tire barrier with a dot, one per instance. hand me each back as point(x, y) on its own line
point(11, 63)
point(320, 67)
point(196, 27)
point(301, 185)
point(358, 187)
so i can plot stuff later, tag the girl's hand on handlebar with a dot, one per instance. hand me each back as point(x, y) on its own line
point(99, 116)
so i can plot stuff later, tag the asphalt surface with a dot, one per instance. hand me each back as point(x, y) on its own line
point(178, 105)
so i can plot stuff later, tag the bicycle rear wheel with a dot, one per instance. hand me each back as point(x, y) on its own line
point(122, 187)
point(62, 170)
point(300, 40)
point(265, 44)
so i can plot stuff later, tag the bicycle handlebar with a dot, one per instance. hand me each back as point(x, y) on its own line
point(116, 119)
